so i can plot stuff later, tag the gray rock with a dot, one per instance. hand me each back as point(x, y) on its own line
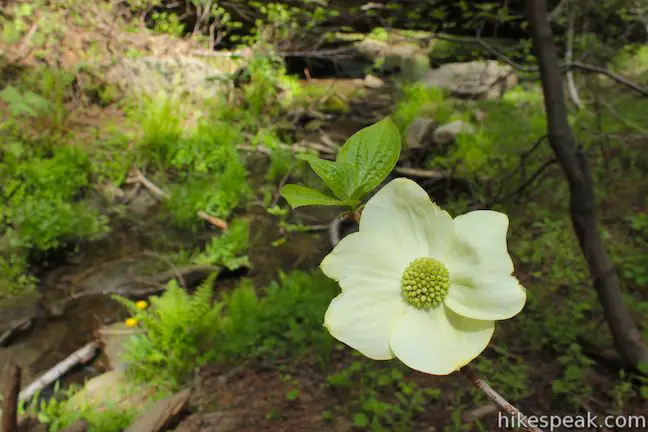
point(478, 79)
point(115, 339)
point(16, 314)
point(173, 75)
point(373, 82)
point(447, 133)
point(420, 134)
point(111, 389)
point(390, 54)
point(142, 204)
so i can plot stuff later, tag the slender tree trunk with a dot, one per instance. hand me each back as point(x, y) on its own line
point(11, 378)
point(574, 164)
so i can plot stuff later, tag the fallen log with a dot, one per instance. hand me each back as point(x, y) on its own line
point(80, 356)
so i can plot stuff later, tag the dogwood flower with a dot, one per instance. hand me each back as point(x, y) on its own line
point(419, 285)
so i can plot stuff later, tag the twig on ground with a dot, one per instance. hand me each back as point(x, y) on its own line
point(418, 172)
point(479, 412)
point(505, 405)
point(217, 222)
point(328, 141)
point(258, 148)
point(139, 177)
point(23, 49)
point(80, 356)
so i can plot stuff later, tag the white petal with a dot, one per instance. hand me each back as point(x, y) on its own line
point(366, 260)
point(439, 341)
point(404, 213)
point(364, 322)
point(487, 297)
point(480, 241)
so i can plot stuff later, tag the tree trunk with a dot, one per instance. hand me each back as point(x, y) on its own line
point(11, 378)
point(573, 162)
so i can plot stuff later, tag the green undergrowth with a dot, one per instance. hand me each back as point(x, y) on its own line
point(282, 322)
point(51, 171)
point(58, 413)
point(44, 178)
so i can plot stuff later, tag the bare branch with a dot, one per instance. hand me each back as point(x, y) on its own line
point(530, 181)
point(614, 76)
point(565, 66)
point(569, 54)
point(505, 405)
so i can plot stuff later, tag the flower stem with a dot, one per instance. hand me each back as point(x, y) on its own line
point(505, 405)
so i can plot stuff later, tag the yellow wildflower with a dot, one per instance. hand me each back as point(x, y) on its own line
point(131, 322)
point(141, 305)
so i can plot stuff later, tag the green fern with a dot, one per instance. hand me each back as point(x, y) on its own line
point(24, 103)
point(179, 326)
point(185, 330)
point(228, 249)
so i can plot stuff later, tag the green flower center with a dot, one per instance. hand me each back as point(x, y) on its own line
point(425, 283)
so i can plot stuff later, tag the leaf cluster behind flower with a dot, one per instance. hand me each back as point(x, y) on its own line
point(362, 163)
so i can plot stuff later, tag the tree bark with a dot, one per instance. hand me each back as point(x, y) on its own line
point(573, 162)
point(11, 378)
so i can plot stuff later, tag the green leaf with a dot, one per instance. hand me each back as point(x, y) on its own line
point(292, 394)
point(372, 153)
point(360, 420)
point(334, 175)
point(299, 196)
point(643, 367)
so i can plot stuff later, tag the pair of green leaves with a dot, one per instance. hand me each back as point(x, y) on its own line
point(362, 163)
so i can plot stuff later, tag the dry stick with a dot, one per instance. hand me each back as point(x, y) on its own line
point(217, 222)
point(334, 229)
point(11, 377)
point(140, 178)
point(480, 412)
point(423, 173)
point(148, 184)
point(80, 356)
point(505, 405)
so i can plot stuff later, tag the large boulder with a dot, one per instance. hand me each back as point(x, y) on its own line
point(478, 79)
point(394, 52)
point(184, 75)
point(446, 134)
